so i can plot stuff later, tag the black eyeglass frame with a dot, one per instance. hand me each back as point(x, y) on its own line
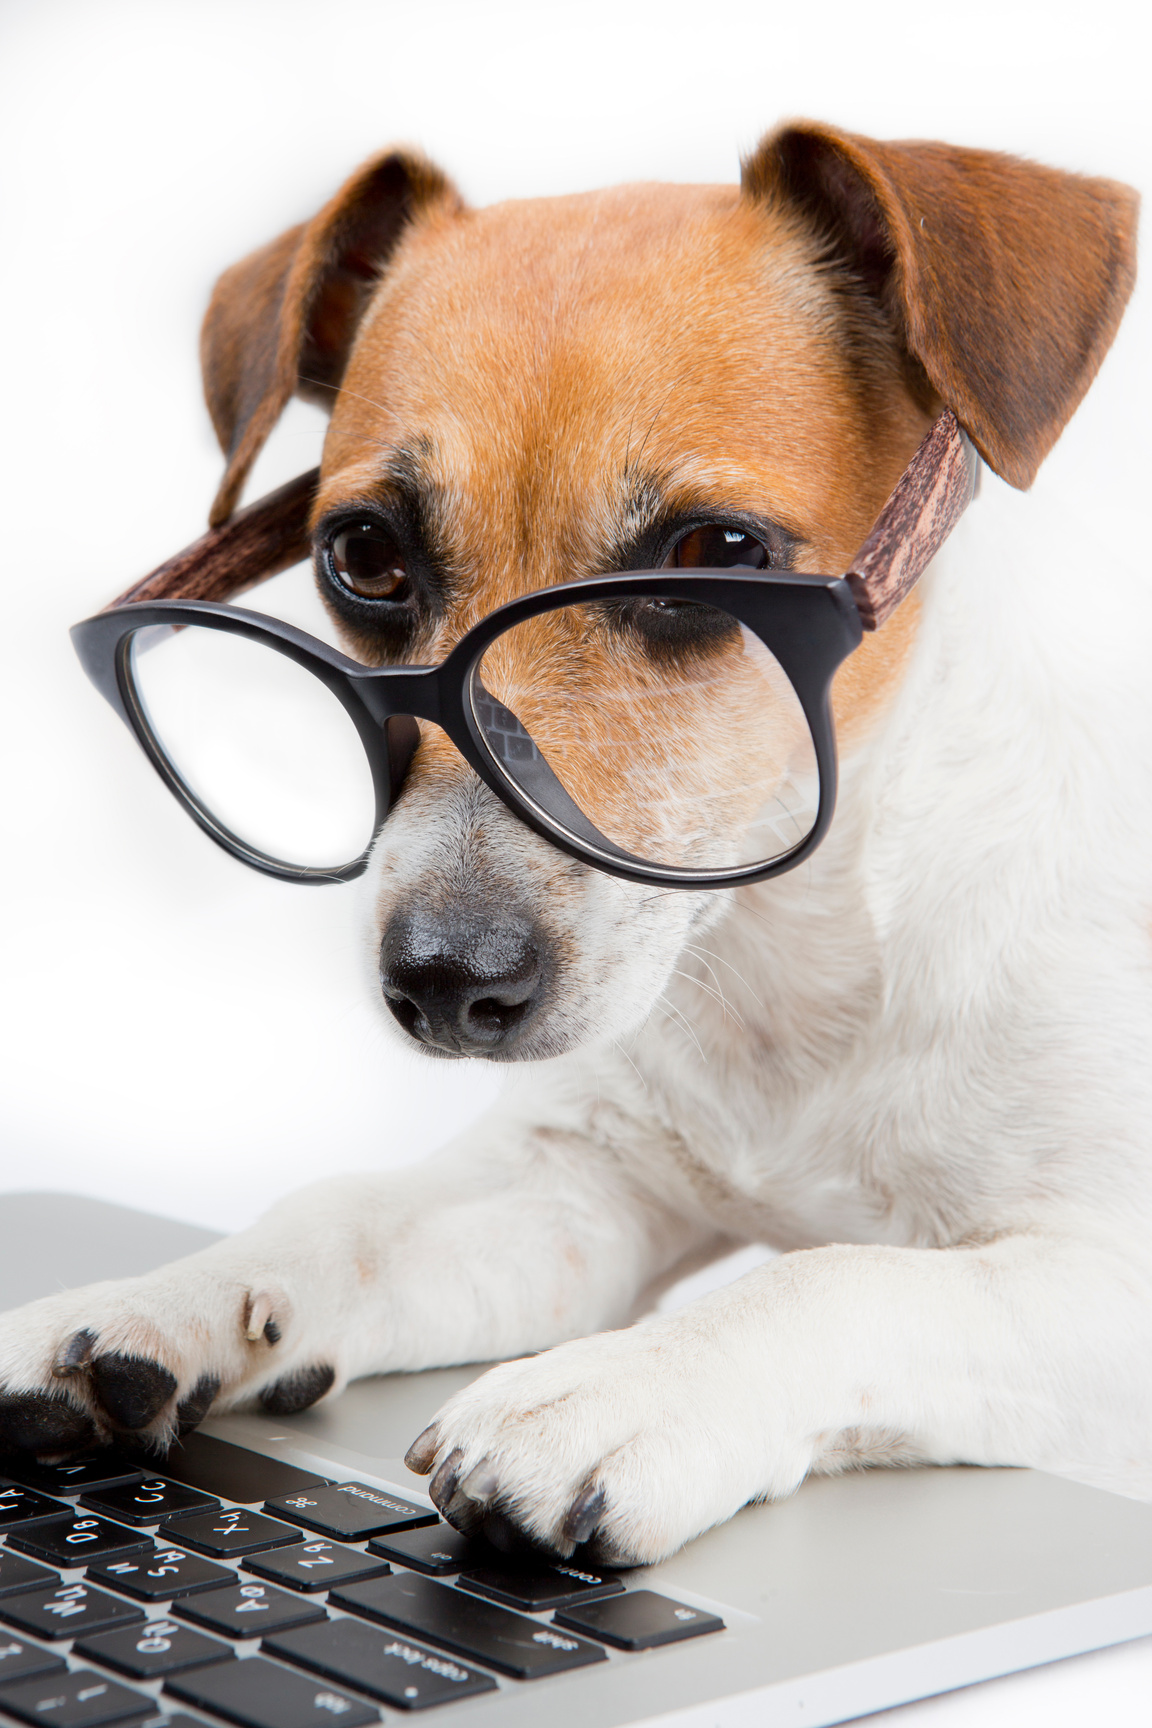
point(810, 623)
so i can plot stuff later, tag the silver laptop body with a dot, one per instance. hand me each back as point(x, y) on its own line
point(861, 1592)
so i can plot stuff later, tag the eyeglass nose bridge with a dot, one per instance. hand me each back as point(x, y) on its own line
point(398, 692)
point(402, 736)
point(397, 698)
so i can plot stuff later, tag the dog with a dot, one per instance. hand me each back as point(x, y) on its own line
point(916, 1066)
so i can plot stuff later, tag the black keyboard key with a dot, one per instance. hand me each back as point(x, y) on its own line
point(439, 1552)
point(260, 1694)
point(316, 1565)
point(97, 1470)
point(25, 1505)
point(68, 1611)
point(148, 1501)
point(233, 1472)
point(638, 1620)
point(162, 1576)
point(81, 1699)
point(463, 1624)
point(351, 1510)
point(158, 1647)
point(20, 1661)
point(248, 1610)
point(229, 1532)
point(380, 1663)
point(77, 1539)
point(17, 1574)
point(539, 1587)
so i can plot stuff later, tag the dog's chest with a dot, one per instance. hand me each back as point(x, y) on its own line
point(757, 1078)
point(803, 1098)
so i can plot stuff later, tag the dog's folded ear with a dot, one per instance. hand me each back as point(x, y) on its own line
point(283, 320)
point(1006, 281)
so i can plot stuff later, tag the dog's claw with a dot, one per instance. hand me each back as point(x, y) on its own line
point(132, 1389)
point(421, 1455)
point(583, 1515)
point(443, 1485)
point(74, 1355)
point(469, 1509)
point(481, 1482)
point(468, 1516)
point(259, 1318)
point(295, 1392)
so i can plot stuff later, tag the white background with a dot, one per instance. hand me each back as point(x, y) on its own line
point(179, 1033)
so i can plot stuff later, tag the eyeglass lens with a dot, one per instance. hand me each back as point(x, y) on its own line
point(259, 741)
point(661, 731)
point(665, 727)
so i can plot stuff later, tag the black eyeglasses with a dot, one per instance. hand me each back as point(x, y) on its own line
point(670, 727)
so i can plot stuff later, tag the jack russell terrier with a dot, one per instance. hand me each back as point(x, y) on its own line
point(912, 1058)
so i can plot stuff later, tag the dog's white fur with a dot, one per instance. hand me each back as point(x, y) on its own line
point(919, 1064)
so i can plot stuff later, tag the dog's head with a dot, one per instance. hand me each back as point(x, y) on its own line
point(545, 390)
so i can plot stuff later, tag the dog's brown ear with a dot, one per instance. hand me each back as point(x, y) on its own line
point(1006, 281)
point(284, 318)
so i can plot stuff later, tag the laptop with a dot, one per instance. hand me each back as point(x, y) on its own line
point(276, 1572)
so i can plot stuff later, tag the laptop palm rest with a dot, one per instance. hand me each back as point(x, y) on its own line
point(861, 1592)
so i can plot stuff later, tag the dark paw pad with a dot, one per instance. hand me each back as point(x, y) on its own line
point(493, 1524)
point(601, 1551)
point(501, 1532)
point(191, 1411)
point(296, 1391)
point(132, 1389)
point(38, 1422)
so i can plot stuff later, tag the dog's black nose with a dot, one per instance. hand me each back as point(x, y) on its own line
point(460, 981)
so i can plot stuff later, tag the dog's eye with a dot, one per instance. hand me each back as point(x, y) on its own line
point(717, 548)
point(367, 560)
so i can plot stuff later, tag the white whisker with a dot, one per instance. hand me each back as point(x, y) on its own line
point(680, 1019)
point(617, 1045)
point(691, 948)
point(716, 993)
point(343, 390)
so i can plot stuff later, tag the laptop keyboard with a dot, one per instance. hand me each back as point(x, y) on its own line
point(240, 1589)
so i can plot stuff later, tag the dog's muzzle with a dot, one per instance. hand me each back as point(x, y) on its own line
point(461, 982)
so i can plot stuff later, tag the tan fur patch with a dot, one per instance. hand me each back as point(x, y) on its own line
point(558, 373)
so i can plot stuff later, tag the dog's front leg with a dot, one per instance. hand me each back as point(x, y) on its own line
point(1033, 1350)
point(514, 1240)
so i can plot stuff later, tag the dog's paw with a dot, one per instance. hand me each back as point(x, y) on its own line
point(148, 1358)
point(625, 1445)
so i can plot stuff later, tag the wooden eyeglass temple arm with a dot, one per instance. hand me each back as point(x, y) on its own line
point(927, 502)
